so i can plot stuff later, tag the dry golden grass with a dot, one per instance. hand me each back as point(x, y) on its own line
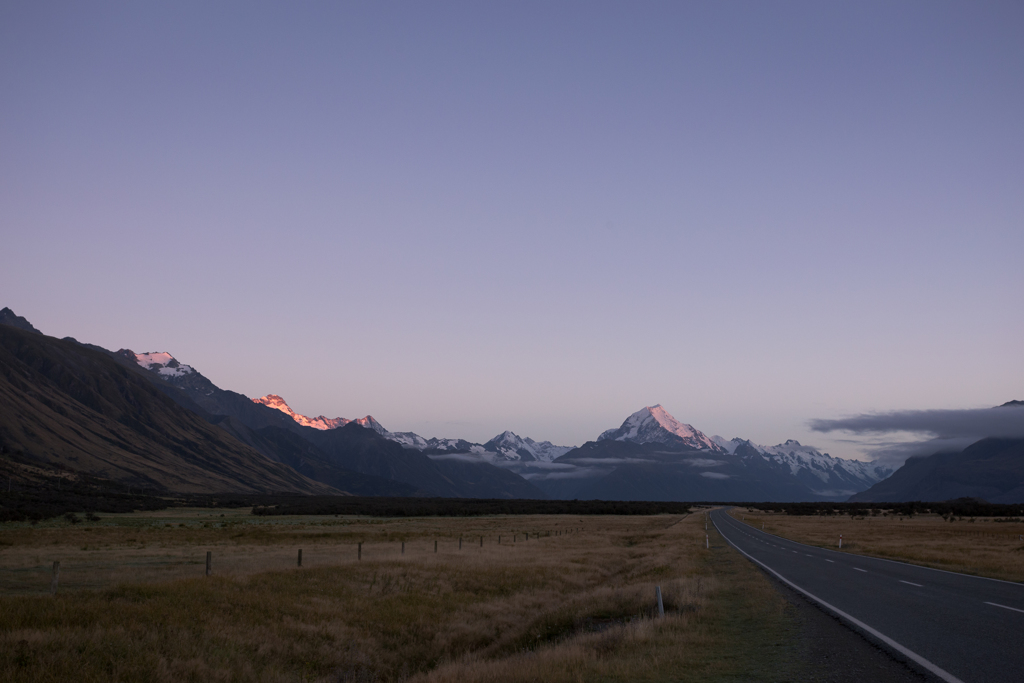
point(134, 604)
point(982, 546)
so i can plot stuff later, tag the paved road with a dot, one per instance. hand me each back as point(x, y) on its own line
point(958, 627)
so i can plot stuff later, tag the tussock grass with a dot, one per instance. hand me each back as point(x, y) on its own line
point(566, 607)
point(982, 546)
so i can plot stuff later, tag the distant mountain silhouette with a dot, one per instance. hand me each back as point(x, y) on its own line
point(355, 456)
point(990, 469)
point(7, 317)
point(66, 406)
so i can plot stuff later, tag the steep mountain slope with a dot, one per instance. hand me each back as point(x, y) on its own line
point(654, 456)
point(625, 470)
point(8, 317)
point(195, 392)
point(434, 445)
point(483, 480)
point(653, 424)
point(322, 423)
point(990, 469)
point(825, 475)
point(505, 447)
point(510, 446)
point(64, 405)
point(301, 455)
point(356, 456)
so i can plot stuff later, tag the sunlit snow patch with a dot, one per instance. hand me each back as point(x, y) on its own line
point(164, 363)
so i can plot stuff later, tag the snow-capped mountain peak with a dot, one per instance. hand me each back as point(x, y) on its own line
point(277, 403)
point(371, 423)
point(825, 474)
point(163, 363)
point(654, 424)
point(511, 446)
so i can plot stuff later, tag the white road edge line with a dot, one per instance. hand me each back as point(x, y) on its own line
point(832, 561)
point(910, 654)
point(1013, 609)
point(911, 583)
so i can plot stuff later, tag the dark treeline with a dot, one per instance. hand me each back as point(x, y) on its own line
point(34, 503)
point(38, 503)
point(461, 507)
point(961, 507)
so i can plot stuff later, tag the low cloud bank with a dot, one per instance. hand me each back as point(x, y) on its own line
point(949, 430)
point(1007, 422)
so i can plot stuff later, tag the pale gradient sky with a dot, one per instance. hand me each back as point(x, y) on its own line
point(470, 217)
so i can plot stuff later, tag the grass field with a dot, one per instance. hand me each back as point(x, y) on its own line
point(981, 546)
point(575, 602)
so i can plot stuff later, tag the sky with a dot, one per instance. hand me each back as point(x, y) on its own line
point(463, 218)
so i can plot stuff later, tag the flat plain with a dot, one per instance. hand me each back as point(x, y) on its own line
point(574, 602)
point(983, 546)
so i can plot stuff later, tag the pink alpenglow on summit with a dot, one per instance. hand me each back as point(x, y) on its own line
point(323, 423)
point(653, 424)
point(276, 402)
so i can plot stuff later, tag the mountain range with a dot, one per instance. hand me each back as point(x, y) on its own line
point(146, 418)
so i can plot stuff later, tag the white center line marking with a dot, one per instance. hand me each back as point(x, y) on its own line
point(808, 555)
point(1012, 609)
point(911, 583)
point(944, 675)
point(861, 570)
point(832, 561)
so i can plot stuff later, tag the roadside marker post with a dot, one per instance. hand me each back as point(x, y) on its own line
point(359, 552)
point(403, 547)
point(56, 575)
point(435, 545)
point(300, 557)
point(481, 541)
point(209, 562)
point(460, 542)
point(840, 540)
point(661, 606)
point(707, 542)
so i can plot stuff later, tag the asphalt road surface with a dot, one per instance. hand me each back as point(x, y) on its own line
point(957, 627)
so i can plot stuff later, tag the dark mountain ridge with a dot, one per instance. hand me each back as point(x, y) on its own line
point(332, 456)
point(672, 471)
point(67, 406)
point(990, 469)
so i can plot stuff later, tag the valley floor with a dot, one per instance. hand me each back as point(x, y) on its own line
point(574, 602)
point(982, 546)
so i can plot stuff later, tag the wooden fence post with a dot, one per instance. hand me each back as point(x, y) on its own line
point(56, 575)
point(209, 562)
point(403, 547)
